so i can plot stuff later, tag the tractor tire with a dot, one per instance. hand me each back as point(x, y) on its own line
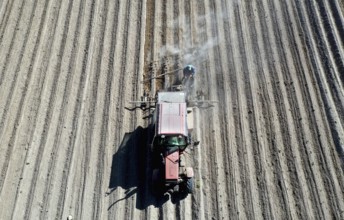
point(189, 185)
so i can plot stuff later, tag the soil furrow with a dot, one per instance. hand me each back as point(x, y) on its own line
point(118, 92)
point(11, 70)
point(48, 114)
point(5, 11)
point(14, 90)
point(311, 165)
point(11, 47)
point(261, 122)
point(296, 113)
point(91, 122)
point(52, 103)
point(79, 106)
point(228, 77)
point(325, 84)
point(335, 90)
point(32, 90)
point(288, 139)
point(338, 19)
point(309, 113)
point(334, 28)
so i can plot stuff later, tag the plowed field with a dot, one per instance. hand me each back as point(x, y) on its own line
point(70, 144)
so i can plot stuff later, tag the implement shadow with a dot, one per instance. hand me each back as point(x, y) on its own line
point(131, 169)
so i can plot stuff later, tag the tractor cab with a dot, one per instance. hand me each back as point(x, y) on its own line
point(170, 144)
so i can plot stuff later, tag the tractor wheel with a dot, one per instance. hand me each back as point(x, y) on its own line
point(189, 185)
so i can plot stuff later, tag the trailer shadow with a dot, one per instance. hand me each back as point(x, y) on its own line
point(131, 170)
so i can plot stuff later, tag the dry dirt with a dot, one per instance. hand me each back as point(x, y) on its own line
point(272, 148)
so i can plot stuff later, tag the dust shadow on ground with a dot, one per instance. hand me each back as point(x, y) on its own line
point(131, 169)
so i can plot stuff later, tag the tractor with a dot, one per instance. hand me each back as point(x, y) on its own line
point(173, 122)
point(173, 125)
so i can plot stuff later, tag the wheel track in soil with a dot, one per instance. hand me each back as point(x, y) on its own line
point(198, 198)
point(200, 165)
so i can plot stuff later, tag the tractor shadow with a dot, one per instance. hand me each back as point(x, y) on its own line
point(131, 170)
